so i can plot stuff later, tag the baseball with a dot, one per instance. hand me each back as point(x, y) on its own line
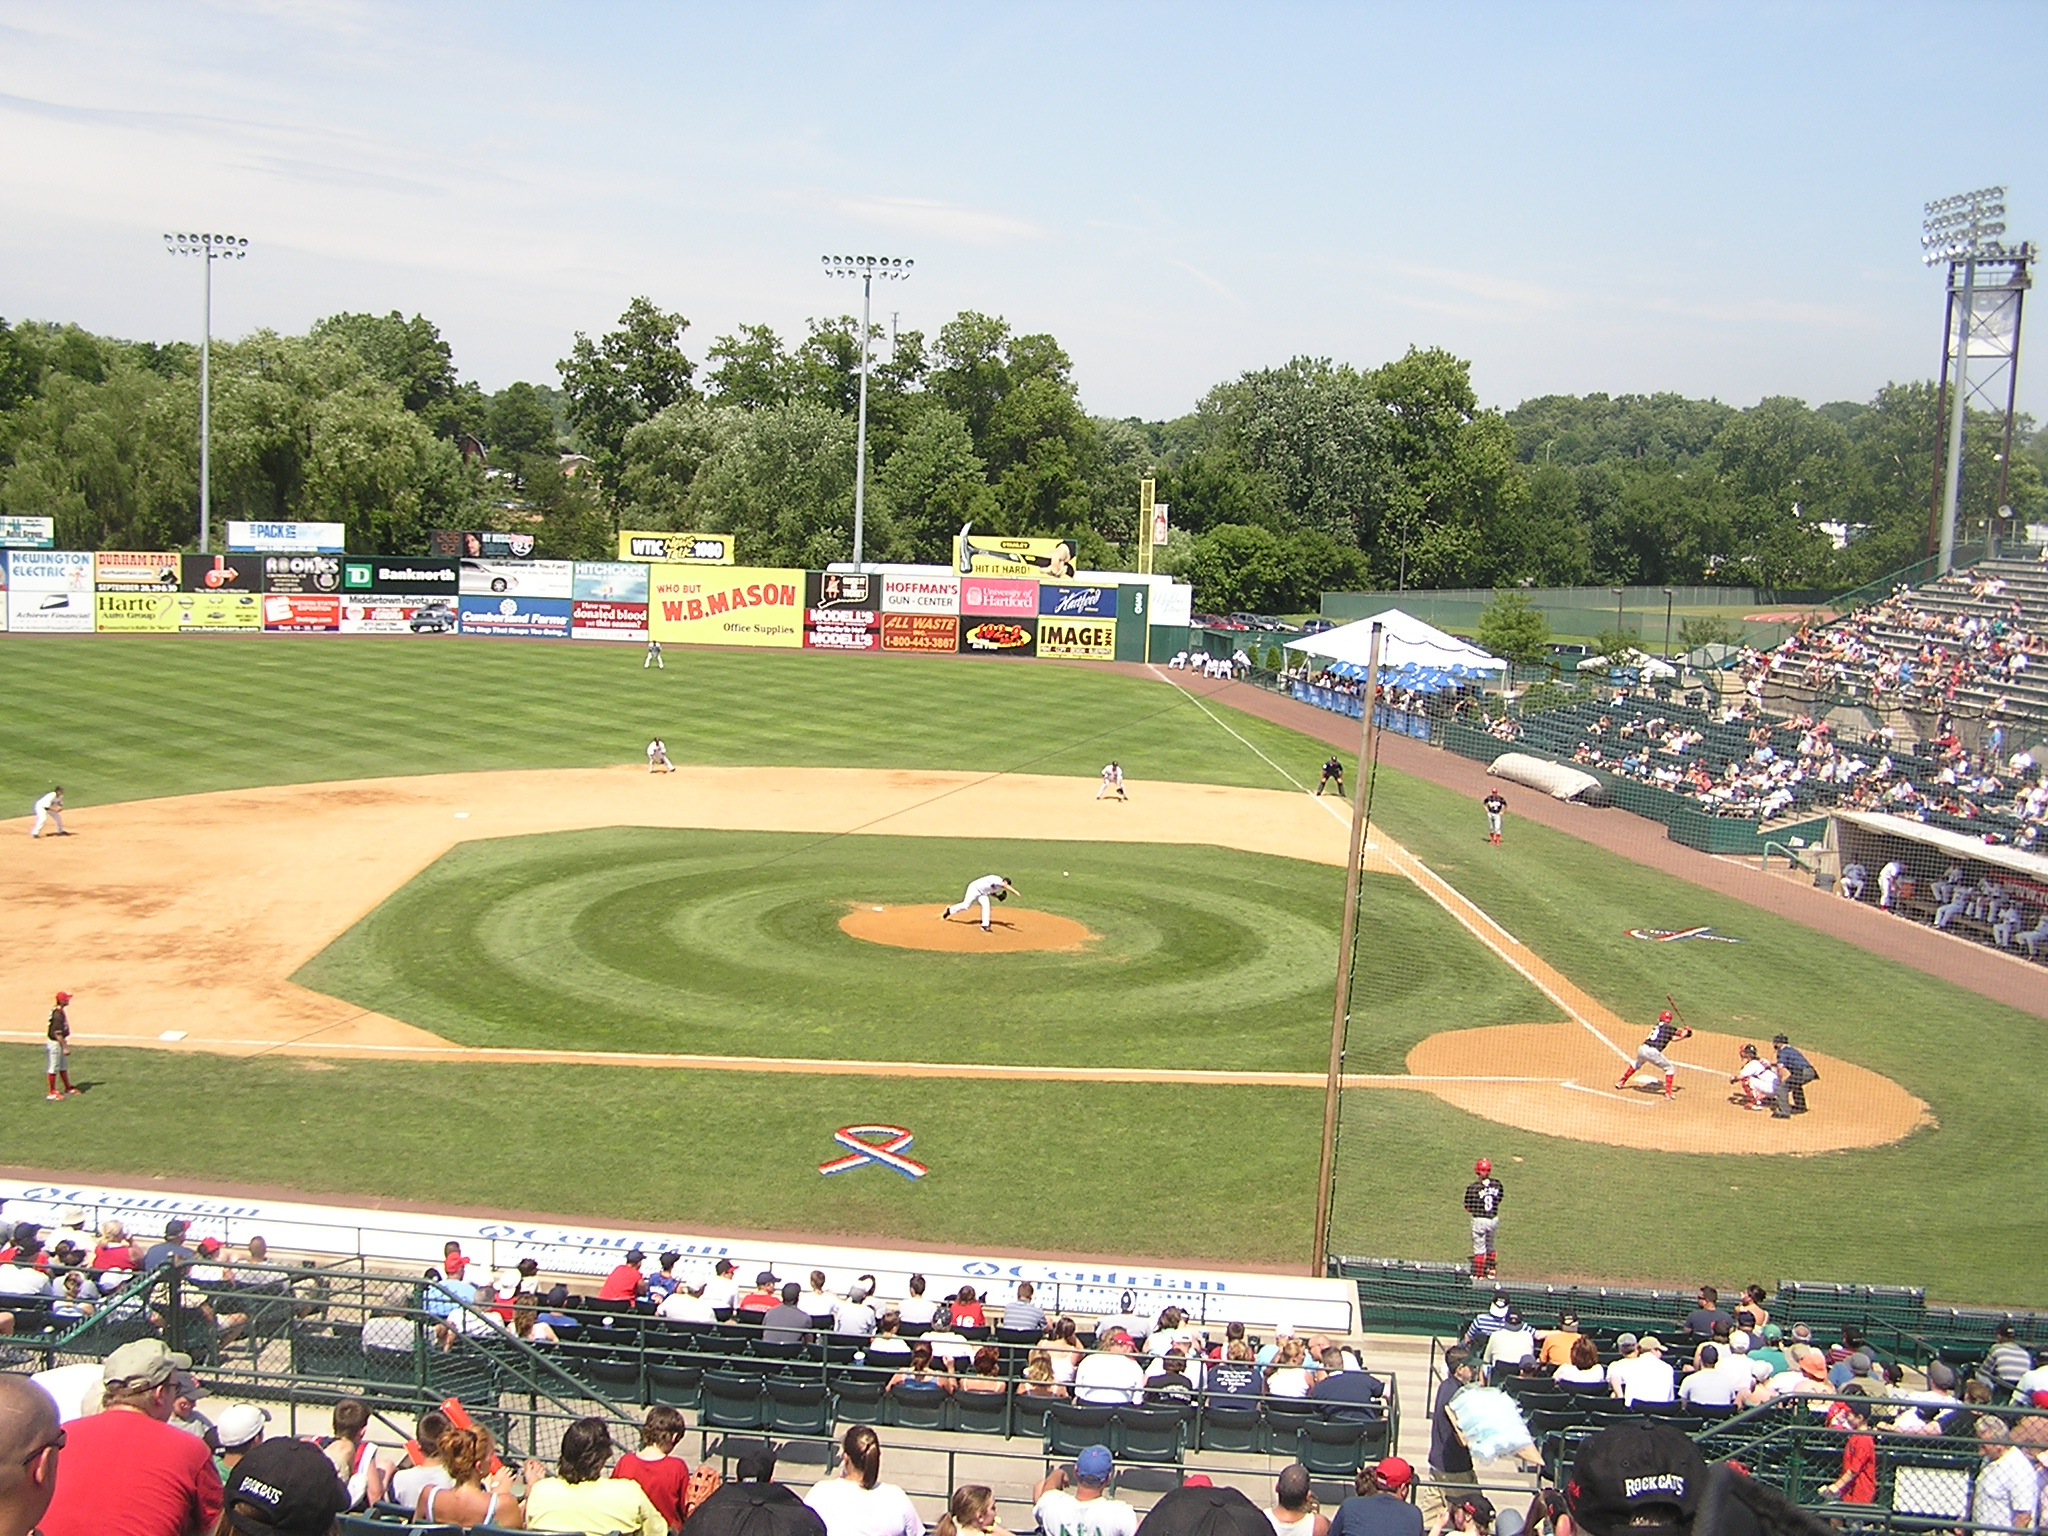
point(1063, 874)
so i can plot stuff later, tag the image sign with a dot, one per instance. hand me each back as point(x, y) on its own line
point(1078, 640)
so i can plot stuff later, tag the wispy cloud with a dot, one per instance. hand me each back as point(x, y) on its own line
point(943, 221)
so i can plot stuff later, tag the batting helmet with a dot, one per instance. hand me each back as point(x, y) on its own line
point(1483, 1167)
point(1664, 1017)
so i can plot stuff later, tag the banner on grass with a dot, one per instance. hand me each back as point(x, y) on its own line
point(921, 632)
point(736, 606)
point(129, 570)
point(516, 618)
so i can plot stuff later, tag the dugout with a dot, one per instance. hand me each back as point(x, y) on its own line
point(1926, 851)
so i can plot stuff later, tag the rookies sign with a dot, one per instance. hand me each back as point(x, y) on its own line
point(730, 607)
point(307, 574)
point(1065, 640)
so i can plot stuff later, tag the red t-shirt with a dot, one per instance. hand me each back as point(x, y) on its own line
point(123, 1473)
point(666, 1483)
point(968, 1314)
point(759, 1301)
point(622, 1284)
point(1859, 1460)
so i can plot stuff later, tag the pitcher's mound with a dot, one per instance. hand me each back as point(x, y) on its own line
point(1014, 928)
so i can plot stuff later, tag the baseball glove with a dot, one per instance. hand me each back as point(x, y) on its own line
point(1002, 895)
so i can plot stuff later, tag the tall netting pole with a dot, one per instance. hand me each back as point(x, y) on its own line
point(1340, 1013)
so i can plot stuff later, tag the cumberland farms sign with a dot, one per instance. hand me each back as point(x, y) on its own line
point(740, 606)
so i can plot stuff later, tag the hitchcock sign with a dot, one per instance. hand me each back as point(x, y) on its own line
point(1210, 1296)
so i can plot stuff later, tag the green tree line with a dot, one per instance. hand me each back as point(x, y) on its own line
point(1284, 483)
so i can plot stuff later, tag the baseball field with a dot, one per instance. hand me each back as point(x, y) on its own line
point(409, 919)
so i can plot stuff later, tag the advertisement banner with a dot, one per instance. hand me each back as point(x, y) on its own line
point(220, 573)
point(597, 619)
point(997, 598)
point(138, 612)
point(984, 554)
point(736, 606)
point(127, 570)
point(284, 538)
point(206, 612)
point(845, 637)
point(842, 591)
point(517, 578)
point(49, 592)
point(1065, 602)
point(1078, 639)
point(516, 618)
point(290, 612)
point(398, 575)
point(999, 637)
point(920, 594)
point(480, 545)
point(27, 532)
point(676, 548)
point(302, 573)
point(920, 632)
point(398, 615)
point(609, 581)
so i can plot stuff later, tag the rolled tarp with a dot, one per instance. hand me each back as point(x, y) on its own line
point(1560, 781)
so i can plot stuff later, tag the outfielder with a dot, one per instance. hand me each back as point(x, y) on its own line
point(979, 891)
point(57, 1052)
point(654, 657)
point(1651, 1054)
point(1483, 1197)
point(657, 757)
point(50, 808)
point(1757, 1079)
point(1112, 782)
point(1496, 803)
point(1333, 773)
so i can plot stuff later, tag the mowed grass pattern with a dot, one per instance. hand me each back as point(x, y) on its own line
point(729, 943)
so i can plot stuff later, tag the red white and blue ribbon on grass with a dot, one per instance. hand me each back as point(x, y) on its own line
point(882, 1144)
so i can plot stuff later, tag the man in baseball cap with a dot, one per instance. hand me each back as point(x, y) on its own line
point(1636, 1480)
point(1381, 1507)
point(1088, 1510)
point(126, 1468)
point(285, 1488)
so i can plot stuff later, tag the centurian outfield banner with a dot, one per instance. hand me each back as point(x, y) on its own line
point(735, 606)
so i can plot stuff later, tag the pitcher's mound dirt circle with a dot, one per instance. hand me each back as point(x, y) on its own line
point(1013, 929)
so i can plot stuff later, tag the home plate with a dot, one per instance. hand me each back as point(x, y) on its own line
point(879, 909)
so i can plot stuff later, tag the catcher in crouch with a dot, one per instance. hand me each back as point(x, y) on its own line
point(979, 891)
point(1651, 1053)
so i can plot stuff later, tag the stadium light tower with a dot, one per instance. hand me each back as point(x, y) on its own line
point(209, 248)
point(867, 269)
point(1987, 284)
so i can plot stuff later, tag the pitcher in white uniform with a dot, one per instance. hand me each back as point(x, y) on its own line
point(980, 891)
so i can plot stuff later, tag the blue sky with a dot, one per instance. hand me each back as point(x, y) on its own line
point(1721, 200)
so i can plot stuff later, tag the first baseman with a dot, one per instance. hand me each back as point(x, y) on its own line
point(1112, 781)
point(57, 1052)
point(979, 891)
point(1496, 805)
point(1651, 1053)
point(1483, 1197)
point(1333, 771)
point(50, 808)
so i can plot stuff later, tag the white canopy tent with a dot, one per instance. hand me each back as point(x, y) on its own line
point(1408, 646)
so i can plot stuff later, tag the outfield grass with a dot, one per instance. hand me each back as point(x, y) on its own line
point(134, 717)
point(1218, 1173)
point(728, 943)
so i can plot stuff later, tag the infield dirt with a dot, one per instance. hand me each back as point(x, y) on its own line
point(1012, 930)
point(179, 922)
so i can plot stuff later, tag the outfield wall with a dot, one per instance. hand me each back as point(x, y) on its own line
point(927, 610)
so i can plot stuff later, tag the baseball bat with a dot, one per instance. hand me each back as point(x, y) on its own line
point(1677, 1012)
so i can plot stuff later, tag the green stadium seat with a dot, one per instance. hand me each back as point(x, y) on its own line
point(1070, 1428)
point(1155, 1435)
point(1331, 1449)
point(798, 1407)
point(912, 1407)
point(730, 1400)
point(982, 1413)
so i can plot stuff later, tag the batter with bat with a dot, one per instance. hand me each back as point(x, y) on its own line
point(1650, 1053)
point(979, 893)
